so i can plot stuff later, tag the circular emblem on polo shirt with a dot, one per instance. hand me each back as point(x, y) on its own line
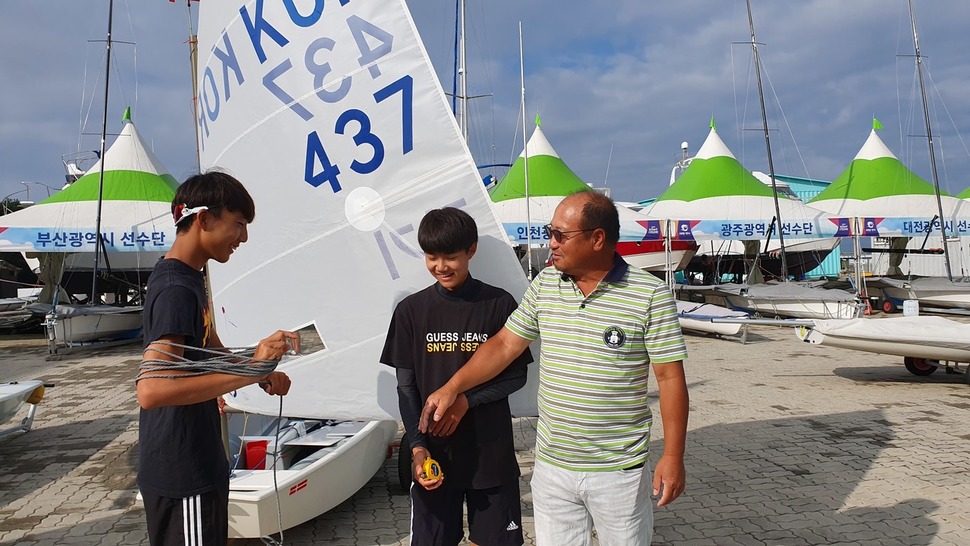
point(614, 337)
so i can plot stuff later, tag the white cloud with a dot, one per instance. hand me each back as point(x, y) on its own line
point(636, 76)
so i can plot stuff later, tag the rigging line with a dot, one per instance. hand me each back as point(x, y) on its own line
point(949, 115)
point(240, 453)
point(102, 70)
point(734, 91)
point(134, 57)
point(936, 107)
point(269, 540)
point(82, 118)
point(515, 137)
point(489, 79)
point(781, 113)
point(454, 61)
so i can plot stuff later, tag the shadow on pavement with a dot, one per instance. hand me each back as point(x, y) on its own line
point(787, 481)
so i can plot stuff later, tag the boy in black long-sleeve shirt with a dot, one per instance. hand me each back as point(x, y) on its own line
point(432, 334)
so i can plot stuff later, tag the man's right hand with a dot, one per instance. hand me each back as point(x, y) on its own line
point(435, 408)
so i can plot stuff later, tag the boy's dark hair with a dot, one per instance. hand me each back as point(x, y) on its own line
point(447, 230)
point(217, 191)
point(600, 212)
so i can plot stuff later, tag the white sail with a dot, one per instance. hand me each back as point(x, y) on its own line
point(332, 116)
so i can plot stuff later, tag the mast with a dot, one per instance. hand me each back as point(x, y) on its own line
point(462, 79)
point(525, 162)
point(764, 123)
point(194, 66)
point(104, 137)
point(929, 141)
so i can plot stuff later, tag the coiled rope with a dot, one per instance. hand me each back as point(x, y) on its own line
point(228, 360)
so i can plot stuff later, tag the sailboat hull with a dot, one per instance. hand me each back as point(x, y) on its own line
point(929, 291)
point(925, 337)
point(650, 255)
point(801, 256)
point(795, 300)
point(13, 396)
point(696, 317)
point(305, 493)
point(81, 323)
point(794, 308)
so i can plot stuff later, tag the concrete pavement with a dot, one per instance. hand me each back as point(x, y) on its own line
point(789, 444)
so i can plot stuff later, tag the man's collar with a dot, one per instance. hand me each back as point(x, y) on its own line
point(618, 270)
point(615, 273)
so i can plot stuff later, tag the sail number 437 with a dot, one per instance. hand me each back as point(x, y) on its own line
point(358, 120)
point(373, 43)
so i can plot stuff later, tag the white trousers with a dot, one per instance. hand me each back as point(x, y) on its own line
point(567, 505)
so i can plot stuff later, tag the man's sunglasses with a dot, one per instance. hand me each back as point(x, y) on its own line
point(558, 235)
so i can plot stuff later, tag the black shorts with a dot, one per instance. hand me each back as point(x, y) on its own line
point(200, 519)
point(494, 515)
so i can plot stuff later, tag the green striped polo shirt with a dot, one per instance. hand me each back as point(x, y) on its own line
point(594, 363)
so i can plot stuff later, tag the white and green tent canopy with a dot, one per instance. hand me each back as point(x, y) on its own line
point(717, 198)
point(550, 180)
point(135, 214)
point(894, 201)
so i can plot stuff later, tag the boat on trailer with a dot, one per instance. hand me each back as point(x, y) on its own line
point(926, 342)
point(71, 324)
point(796, 300)
point(701, 317)
point(136, 228)
point(780, 299)
point(930, 292)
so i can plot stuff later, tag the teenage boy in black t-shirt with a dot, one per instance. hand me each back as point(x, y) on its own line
point(183, 474)
point(432, 334)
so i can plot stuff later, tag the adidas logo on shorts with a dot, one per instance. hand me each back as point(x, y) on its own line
point(512, 526)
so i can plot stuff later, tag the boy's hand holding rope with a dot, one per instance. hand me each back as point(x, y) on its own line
point(248, 362)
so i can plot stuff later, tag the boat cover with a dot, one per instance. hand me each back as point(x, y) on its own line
point(918, 330)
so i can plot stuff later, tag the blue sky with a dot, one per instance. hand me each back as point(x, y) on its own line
point(618, 84)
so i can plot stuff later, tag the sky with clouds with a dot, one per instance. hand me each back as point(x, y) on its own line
point(618, 84)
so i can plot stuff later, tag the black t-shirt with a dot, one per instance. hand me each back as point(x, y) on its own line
point(434, 332)
point(180, 447)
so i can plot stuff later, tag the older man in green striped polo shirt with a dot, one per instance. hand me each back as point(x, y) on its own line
point(603, 323)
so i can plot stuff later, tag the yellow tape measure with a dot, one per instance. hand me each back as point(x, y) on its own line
point(432, 470)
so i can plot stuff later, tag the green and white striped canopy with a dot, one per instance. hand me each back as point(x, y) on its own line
point(717, 198)
point(550, 180)
point(877, 184)
point(135, 207)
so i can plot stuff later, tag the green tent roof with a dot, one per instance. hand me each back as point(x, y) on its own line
point(119, 186)
point(131, 173)
point(549, 176)
point(714, 172)
point(875, 172)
